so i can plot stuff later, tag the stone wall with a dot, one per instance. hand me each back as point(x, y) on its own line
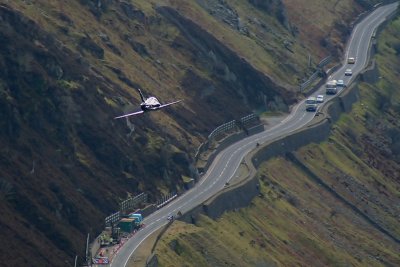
point(231, 198)
point(349, 98)
point(241, 194)
point(370, 75)
point(318, 130)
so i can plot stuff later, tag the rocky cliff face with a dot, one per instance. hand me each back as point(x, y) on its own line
point(64, 165)
point(232, 72)
point(328, 204)
point(67, 69)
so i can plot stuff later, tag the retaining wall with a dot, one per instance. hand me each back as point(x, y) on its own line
point(242, 193)
point(238, 196)
point(371, 75)
point(317, 131)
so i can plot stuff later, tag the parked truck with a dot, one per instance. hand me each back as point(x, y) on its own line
point(133, 221)
point(331, 87)
point(137, 217)
point(127, 225)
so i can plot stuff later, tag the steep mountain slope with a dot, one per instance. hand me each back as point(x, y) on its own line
point(329, 204)
point(67, 68)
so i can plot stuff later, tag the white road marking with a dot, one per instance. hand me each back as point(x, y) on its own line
point(244, 146)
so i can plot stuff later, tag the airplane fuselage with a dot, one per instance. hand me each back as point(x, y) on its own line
point(150, 103)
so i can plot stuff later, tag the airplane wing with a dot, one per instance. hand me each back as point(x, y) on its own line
point(168, 104)
point(130, 114)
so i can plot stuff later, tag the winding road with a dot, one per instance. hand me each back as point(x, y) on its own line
point(225, 165)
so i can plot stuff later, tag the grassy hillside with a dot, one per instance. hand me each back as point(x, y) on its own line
point(329, 204)
point(67, 68)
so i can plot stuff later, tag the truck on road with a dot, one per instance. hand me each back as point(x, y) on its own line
point(331, 87)
point(311, 104)
point(133, 221)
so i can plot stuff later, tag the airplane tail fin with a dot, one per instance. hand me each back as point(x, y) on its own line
point(141, 95)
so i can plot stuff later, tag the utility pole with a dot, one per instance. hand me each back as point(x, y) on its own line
point(88, 261)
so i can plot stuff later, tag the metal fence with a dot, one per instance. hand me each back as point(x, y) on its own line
point(166, 199)
point(203, 147)
point(115, 217)
point(248, 119)
point(324, 62)
point(133, 202)
point(310, 80)
point(128, 204)
point(314, 76)
point(222, 129)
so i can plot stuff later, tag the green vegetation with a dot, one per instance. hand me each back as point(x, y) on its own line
point(70, 85)
point(69, 67)
point(186, 179)
point(296, 221)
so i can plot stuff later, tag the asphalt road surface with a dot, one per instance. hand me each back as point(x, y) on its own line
point(227, 162)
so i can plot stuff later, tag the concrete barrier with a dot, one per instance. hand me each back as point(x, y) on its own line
point(241, 194)
point(237, 196)
point(318, 130)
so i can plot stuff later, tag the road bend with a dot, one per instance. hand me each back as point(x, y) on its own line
point(226, 163)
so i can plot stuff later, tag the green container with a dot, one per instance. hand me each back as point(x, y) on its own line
point(127, 225)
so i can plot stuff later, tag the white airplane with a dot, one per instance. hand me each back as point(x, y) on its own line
point(148, 104)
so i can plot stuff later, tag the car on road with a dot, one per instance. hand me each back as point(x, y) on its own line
point(196, 196)
point(351, 60)
point(348, 72)
point(320, 98)
point(340, 83)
